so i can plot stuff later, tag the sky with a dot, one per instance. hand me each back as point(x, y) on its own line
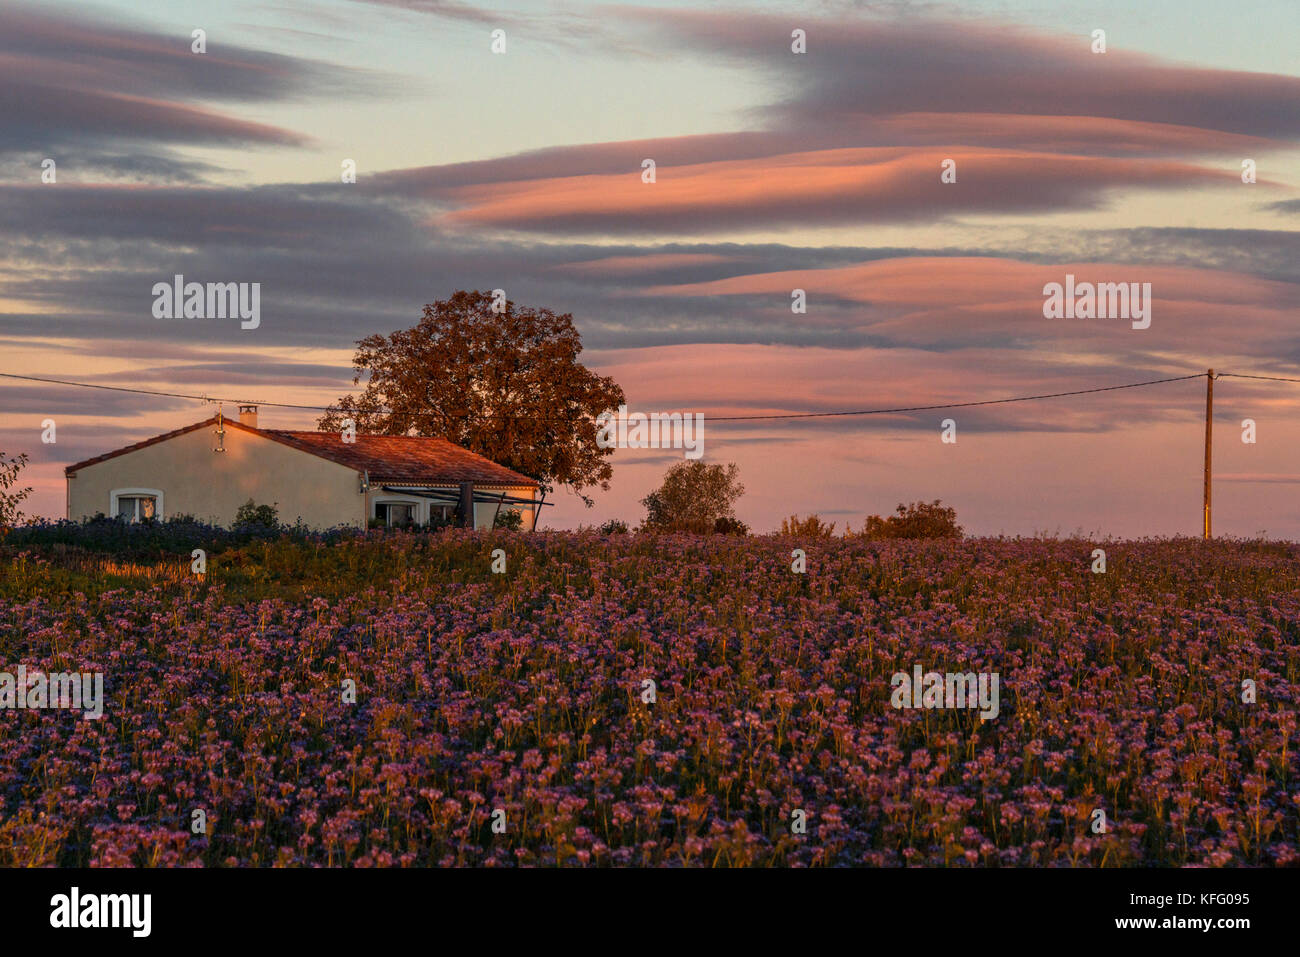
point(774, 171)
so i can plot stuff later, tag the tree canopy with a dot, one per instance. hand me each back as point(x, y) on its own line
point(696, 497)
point(498, 379)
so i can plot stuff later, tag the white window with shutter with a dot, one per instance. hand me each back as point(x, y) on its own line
point(136, 504)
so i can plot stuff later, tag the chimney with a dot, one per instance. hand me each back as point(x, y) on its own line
point(248, 416)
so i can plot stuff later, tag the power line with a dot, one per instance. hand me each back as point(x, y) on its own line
point(949, 405)
point(719, 418)
point(170, 395)
point(1243, 375)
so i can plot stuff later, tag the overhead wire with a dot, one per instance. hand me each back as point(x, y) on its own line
point(708, 417)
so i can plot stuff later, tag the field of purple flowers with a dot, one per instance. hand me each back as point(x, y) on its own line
point(523, 692)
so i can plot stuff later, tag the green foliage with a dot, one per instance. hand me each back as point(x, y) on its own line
point(9, 501)
point(696, 498)
point(613, 527)
point(251, 514)
point(511, 519)
point(918, 520)
point(810, 527)
point(729, 526)
point(133, 543)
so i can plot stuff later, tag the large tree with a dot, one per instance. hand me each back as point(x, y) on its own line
point(504, 382)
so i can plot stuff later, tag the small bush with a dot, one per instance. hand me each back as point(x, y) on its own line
point(9, 501)
point(511, 519)
point(730, 526)
point(613, 527)
point(810, 527)
point(918, 520)
point(266, 516)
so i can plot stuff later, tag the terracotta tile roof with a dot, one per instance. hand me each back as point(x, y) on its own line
point(388, 458)
point(404, 458)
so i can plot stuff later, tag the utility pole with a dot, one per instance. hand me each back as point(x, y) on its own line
point(1209, 438)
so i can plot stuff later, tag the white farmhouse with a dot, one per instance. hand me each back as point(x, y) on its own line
point(209, 469)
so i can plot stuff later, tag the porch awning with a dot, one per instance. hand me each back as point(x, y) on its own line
point(451, 496)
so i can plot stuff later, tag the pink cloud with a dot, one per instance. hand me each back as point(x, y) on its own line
point(638, 265)
point(827, 186)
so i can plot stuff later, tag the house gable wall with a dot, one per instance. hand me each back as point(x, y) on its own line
point(212, 485)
